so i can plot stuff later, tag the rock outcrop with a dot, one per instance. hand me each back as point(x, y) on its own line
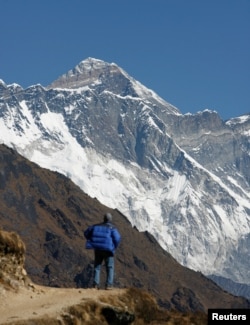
point(12, 258)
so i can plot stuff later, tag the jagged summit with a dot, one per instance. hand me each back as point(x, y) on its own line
point(85, 73)
point(88, 72)
point(3, 85)
point(109, 77)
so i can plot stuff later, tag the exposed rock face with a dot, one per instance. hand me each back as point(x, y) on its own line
point(94, 72)
point(221, 147)
point(237, 289)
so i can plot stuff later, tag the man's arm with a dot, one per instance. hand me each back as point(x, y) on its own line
point(116, 237)
point(88, 232)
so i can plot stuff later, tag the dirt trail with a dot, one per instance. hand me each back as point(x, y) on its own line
point(42, 301)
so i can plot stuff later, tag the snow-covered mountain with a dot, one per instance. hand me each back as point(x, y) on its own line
point(183, 178)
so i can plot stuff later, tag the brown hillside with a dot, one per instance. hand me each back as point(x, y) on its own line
point(49, 213)
point(23, 302)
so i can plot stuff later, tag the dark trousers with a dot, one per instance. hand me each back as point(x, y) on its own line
point(108, 259)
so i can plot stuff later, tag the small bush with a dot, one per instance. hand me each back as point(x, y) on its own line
point(11, 243)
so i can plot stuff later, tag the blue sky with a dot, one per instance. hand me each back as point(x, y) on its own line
point(193, 53)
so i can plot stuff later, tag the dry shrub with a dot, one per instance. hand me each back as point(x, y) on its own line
point(88, 313)
point(141, 304)
point(189, 318)
point(144, 305)
point(11, 243)
point(147, 311)
point(12, 257)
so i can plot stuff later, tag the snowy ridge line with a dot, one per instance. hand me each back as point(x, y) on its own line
point(218, 180)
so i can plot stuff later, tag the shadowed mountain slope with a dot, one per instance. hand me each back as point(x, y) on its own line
point(49, 212)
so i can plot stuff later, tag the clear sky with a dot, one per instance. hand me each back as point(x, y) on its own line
point(195, 54)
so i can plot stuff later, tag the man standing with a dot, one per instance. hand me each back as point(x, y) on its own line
point(104, 238)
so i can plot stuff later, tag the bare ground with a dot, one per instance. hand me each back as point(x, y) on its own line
point(39, 301)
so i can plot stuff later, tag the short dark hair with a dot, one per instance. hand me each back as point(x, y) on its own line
point(107, 217)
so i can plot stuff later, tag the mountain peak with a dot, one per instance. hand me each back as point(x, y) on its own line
point(92, 64)
point(2, 84)
point(87, 72)
point(103, 76)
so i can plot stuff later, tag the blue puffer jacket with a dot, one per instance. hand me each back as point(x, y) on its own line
point(103, 236)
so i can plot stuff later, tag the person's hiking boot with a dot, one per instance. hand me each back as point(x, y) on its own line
point(96, 286)
point(108, 288)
